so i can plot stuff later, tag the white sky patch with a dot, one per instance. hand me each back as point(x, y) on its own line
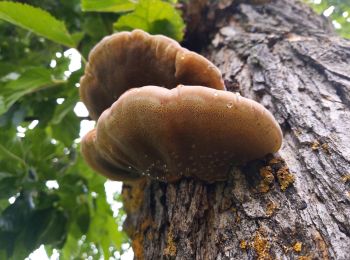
point(11, 76)
point(329, 11)
point(80, 110)
point(75, 59)
point(317, 2)
point(129, 254)
point(33, 124)
point(53, 63)
point(40, 254)
point(58, 54)
point(12, 200)
point(67, 74)
point(345, 14)
point(21, 129)
point(336, 24)
point(52, 184)
point(112, 187)
point(86, 126)
point(60, 101)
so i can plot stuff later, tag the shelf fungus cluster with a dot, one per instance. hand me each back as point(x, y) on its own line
point(162, 111)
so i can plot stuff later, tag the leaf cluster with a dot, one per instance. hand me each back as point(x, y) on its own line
point(340, 15)
point(47, 193)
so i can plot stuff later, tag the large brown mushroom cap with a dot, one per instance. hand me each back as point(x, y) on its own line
point(187, 131)
point(134, 59)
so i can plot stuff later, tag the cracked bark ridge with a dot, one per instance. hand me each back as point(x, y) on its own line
point(292, 207)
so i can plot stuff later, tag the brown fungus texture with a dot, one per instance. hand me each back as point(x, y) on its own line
point(134, 59)
point(191, 131)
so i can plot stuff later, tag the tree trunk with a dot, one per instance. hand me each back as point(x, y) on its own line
point(293, 205)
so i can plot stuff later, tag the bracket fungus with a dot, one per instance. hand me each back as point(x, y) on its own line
point(162, 111)
point(134, 59)
point(186, 131)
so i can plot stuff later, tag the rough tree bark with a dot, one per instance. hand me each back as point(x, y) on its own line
point(293, 205)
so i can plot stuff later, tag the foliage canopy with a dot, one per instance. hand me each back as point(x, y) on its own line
point(47, 193)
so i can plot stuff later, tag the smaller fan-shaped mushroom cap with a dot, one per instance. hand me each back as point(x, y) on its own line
point(134, 59)
point(187, 131)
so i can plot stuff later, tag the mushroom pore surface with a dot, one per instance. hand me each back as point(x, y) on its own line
point(187, 131)
point(134, 59)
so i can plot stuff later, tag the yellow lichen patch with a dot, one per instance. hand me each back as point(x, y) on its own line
point(243, 244)
point(305, 257)
point(146, 223)
point(261, 247)
point(325, 147)
point(133, 194)
point(137, 246)
point(170, 250)
point(315, 145)
point(285, 178)
point(297, 247)
point(267, 179)
point(346, 178)
point(321, 245)
point(271, 208)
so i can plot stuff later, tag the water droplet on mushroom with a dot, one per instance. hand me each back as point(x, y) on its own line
point(216, 94)
point(182, 57)
point(129, 167)
point(229, 105)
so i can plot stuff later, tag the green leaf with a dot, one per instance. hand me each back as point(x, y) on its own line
point(116, 6)
point(104, 229)
point(46, 226)
point(155, 17)
point(32, 80)
point(67, 130)
point(37, 21)
point(6, 68)
point(63, 109)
